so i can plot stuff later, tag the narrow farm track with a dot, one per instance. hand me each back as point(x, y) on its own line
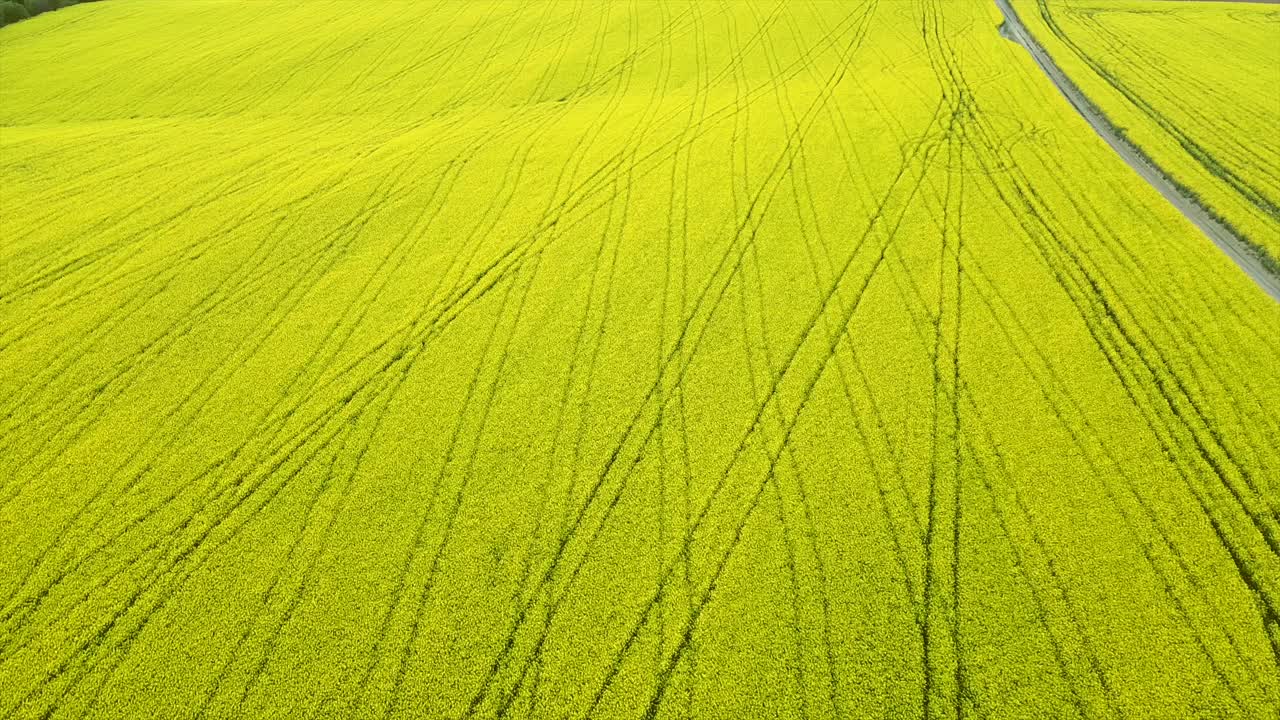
point(617, 360)
point(1191, 119)
point(1251, 256)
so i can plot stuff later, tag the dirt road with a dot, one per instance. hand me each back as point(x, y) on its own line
point(1237, 248)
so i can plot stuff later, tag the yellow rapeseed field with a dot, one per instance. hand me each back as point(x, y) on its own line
point(579, 359)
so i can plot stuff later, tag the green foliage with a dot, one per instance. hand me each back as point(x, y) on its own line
point(35, 7)
point(610, 360)
point(12, 11)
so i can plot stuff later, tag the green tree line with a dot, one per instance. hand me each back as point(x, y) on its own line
point(12, 11)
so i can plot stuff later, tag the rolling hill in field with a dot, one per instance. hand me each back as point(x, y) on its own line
point(582, 359)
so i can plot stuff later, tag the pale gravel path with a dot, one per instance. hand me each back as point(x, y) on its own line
point(1236, 248)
